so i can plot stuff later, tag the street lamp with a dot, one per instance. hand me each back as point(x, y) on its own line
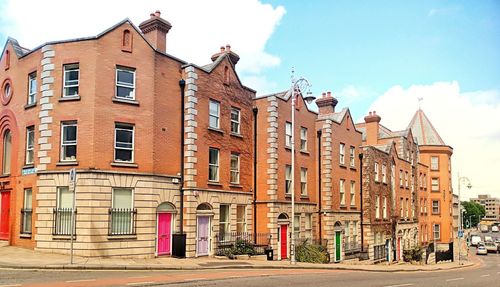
point(461, 180)
point(301, 85)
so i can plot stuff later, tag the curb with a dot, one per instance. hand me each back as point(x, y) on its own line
point(166, 268)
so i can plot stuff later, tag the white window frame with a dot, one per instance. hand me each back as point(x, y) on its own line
point(438, 207)
point(435, 185)
point(241, 221)
point(353, 193)
point(216, 115)
point(342, 153)
point(401, 208)
point(235, 172)
point(406, 179)
point(401, 177)
point(303, 139)
point(352, 152)
point(434, 163)
point(236, 122)
point(27, 205)
point(132, 196)
point(308, 227)
point(376, 172)
point(288, 134)
point(296, 228)
point(68, 68)
point(384, 173)
point(407, 214)
point(342, 192)
point(438, 230)
point(68, 143)
point(215, 165)
point(303, 181)
point(123, 84)
point(384, 208)
point(288, 179)
point(30, 149)
point(32, 90)
point(121, 126)
point(225, 224)
point(377, 206)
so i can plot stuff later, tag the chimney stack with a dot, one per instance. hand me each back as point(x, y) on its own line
point(155, 30)
point(226, 50)
point(372, 121)
point(326, 103)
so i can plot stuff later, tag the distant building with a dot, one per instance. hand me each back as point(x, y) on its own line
point(491, 205)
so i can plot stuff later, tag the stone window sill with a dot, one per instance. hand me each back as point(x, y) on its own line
point(305, 152)
point(124, 164)
point(63, 237)
point(67, 163)
point(216, 130)
point(342, 165)
point(304, 196)
point(122, 237)
point(235, 185)
point(214, 183)
point(28, 166)
point(29, 106)
point(125, 101)
point(236, 135)
point(25, 236)
point(69, 99)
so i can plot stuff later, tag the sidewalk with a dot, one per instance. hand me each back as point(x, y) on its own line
point(20, 258)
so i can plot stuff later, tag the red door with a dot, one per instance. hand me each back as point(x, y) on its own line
point(4, 215)
point(164, 233)
point(284, 241)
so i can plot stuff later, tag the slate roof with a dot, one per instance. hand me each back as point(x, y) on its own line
point(424, 131)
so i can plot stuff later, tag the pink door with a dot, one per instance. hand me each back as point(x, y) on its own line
point(4, 216)
point(283, 241)
point(164, 233)
point(203, 230)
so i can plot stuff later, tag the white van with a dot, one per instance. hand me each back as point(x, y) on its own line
point(475, 239)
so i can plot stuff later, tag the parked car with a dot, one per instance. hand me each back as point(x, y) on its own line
point(483, 228)
point(474, 240)
point(491, 247)
point(494, 228)
point(481, 250)
point(488, 238)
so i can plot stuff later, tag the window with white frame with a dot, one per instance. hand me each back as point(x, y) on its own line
point(30, 145)
point(235, 168)
point(384, 173)
point(352, 153)
point(407, 214)
point(7, 153)
point(377, 207)
point(288, 179)
point(425, 206)
point(308, 227)
point(353, 193)
point(213, 164)
point(71, 80)
point(223, 221)
point(406, 179)
point(68, 141)
point(412, 208)
point(342, 192)
point(437, 231)
point(288, 134)
point(412, 183)
point(64, 208)
point(296, 226)
point(425, 181)
point(434, 163)
point(125, 83)
point(401, 177)
point(124, 142)
point(384, 208)
point(214, 114)
point(355, 232)
point(122, 212)
point(435, 207)
point(347, 234)
point(435, 184)
point(376, 172)
point(235, 120)
point(303, 181)
point(32, 88)
point(342, 153)
point(27, 212)
point(401, 208)
point(421, 206)
point(241, 218)
point(303, 139)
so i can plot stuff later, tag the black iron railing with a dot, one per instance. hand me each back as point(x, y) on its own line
point(379, 252)
point(26, 217)
point(62, 221)
point(351, 249)
point(122, 221)
point(241, 242)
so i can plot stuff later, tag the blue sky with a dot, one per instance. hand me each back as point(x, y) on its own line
point(373, 55)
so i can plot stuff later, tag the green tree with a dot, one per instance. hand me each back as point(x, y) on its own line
point(473, 212)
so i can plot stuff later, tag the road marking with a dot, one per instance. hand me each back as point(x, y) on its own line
point(140, 283)
point(400, 285)
point(81, 280)
point(485, 275)
point(454, 279)
point(138, 277)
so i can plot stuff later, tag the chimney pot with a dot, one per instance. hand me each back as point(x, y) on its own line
point(323, 94)
point(152, 15)
point(228, 48)
point(222, 49)
point(329, 94)
point(370, 113)
point(374, 112)
point(157, 13)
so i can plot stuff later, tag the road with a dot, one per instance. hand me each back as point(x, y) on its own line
point(485, 275)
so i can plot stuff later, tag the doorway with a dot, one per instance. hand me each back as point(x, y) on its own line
point(203, 238)
point(337, 245)
point(4, 215)
point(283, 239)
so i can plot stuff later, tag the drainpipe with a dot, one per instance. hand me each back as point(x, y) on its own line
point(182, 85)
point(320, 205)
point(255, 111)
point(361, 200)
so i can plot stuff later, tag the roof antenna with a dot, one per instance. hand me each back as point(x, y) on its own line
point(420, 99)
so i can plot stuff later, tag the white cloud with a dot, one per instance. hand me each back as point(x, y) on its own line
point(199, 27)
point(469, 122)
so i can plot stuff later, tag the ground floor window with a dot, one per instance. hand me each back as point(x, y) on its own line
point(63, 211)
point(241, 222)
point(122, 214)
point(437, 231)
point(26, 212)
point(224, 221)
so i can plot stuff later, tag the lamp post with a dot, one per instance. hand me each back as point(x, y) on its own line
point(461, 179)
point(300, 84)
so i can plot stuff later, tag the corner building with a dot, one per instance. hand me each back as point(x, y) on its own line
point(110, 107)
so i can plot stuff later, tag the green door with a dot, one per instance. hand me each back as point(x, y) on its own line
point(337, 246)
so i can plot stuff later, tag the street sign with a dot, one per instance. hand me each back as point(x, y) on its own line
point(460, 233)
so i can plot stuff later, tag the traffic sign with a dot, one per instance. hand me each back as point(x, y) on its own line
point(460, 233)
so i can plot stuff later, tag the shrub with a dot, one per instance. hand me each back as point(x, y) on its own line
point(414, 254)
point(311, 253)
point(241, 247)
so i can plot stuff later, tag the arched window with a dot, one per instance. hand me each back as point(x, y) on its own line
point(7, 150)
